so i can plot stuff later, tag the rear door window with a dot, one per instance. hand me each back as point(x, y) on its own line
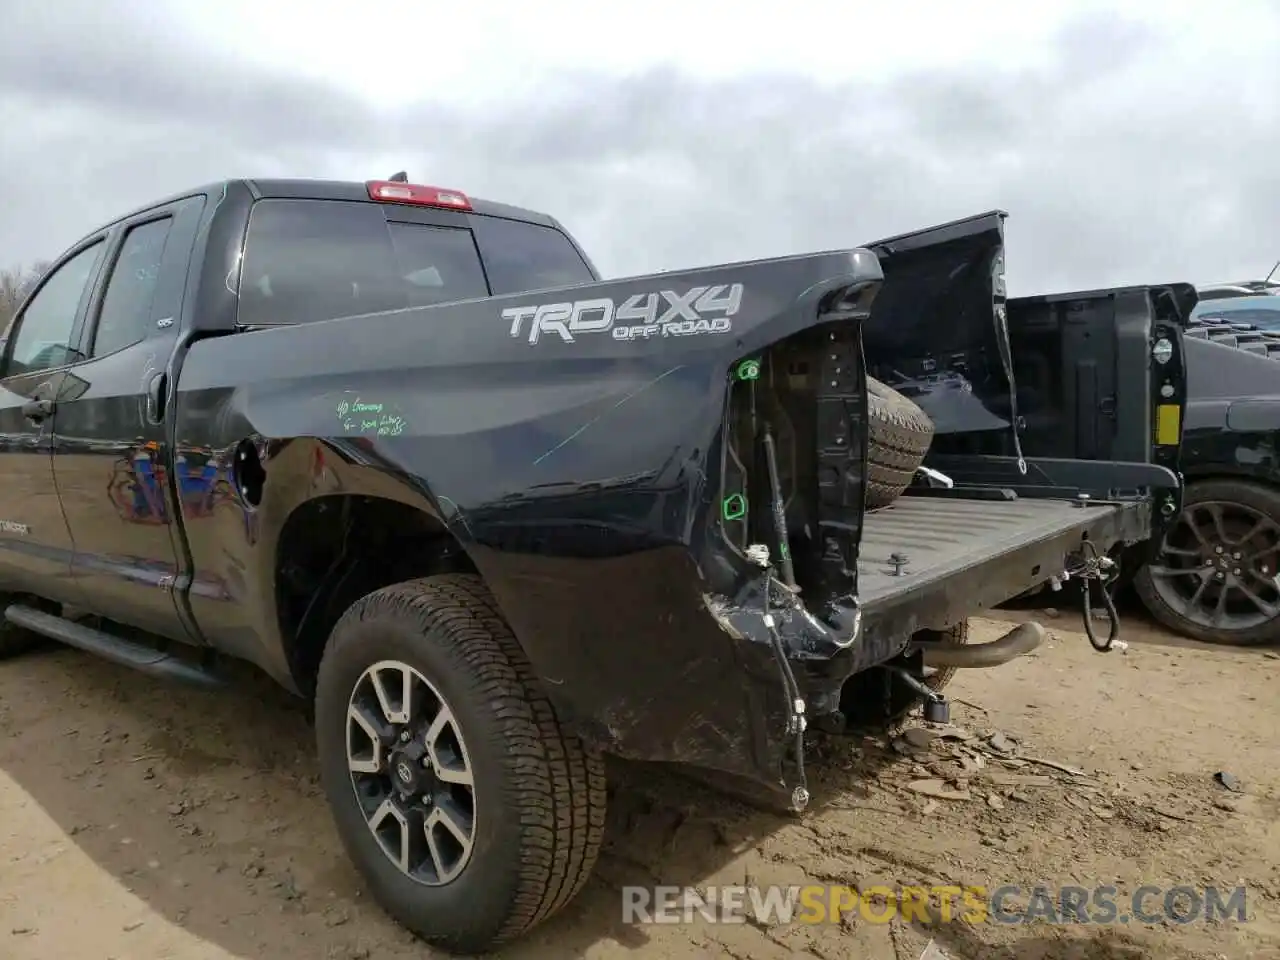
point(309, 260)
point(520, 256)
point(125, 317)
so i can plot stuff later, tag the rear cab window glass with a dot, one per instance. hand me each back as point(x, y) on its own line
point(309, 260)
point(438, 264)
point(520, 256)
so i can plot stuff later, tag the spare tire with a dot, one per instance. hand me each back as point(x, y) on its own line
point(900, 434)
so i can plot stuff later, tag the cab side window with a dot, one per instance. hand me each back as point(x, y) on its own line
point(43, 337)
point(125, 318)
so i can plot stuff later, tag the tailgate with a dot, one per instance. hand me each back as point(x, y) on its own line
point(927, 563)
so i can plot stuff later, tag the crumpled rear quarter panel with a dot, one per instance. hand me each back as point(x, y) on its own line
point(578, 469)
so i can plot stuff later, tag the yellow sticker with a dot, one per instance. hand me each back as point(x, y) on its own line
point(1168, 424)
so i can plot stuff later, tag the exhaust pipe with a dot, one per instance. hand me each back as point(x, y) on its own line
point(1019, 641)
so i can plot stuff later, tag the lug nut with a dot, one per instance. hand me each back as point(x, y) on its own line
point(1217, 550)
point(404, 736)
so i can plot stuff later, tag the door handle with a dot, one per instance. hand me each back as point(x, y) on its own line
point(155, 398)
point(38, 410)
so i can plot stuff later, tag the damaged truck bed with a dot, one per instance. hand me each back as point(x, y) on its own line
point(1046, 459)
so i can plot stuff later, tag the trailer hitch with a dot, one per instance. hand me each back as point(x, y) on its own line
point(936, 707)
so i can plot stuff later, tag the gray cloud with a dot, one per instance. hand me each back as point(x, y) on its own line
point(1117, 162)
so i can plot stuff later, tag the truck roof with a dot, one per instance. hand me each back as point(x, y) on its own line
point(308, 189)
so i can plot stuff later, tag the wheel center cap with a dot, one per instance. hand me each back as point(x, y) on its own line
point(408, 772)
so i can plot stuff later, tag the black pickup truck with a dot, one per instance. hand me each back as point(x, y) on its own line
point(1217, 578)
point(407, 453)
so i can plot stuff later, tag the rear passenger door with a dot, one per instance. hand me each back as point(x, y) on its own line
point(113, 448)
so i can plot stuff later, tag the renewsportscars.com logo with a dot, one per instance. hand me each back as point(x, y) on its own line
point(663, 313)
point(1009, 904)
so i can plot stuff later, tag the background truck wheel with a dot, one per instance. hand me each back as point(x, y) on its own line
point(1215, 579)
point(900, 434)
point(470, 812)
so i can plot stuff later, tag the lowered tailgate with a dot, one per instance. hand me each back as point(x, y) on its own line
point(929, 562)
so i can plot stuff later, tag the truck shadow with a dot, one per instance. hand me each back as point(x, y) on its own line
point(208, 808)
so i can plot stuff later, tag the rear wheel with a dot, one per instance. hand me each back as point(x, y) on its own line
point(1217, 577)
point(470, 812)
point(900, 434)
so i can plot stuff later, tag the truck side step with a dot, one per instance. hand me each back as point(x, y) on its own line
point(142, 658)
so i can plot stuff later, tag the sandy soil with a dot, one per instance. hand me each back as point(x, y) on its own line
point(141, 822)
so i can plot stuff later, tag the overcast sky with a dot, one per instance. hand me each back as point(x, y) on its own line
point(1139, 143)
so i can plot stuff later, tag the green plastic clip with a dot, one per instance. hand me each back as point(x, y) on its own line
point(748, 370)
point(734, 507)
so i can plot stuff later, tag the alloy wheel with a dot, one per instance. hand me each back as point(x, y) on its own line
point(1218, 566)
point(411, 772)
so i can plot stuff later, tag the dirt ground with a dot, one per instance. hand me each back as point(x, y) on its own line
point(140, 822)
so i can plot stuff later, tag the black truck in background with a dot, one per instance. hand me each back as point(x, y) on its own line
point(407, 453)
point(1216, 577)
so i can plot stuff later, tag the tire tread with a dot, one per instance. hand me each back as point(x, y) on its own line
point(899, 437)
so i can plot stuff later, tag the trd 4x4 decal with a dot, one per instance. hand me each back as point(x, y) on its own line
point(636, 318)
